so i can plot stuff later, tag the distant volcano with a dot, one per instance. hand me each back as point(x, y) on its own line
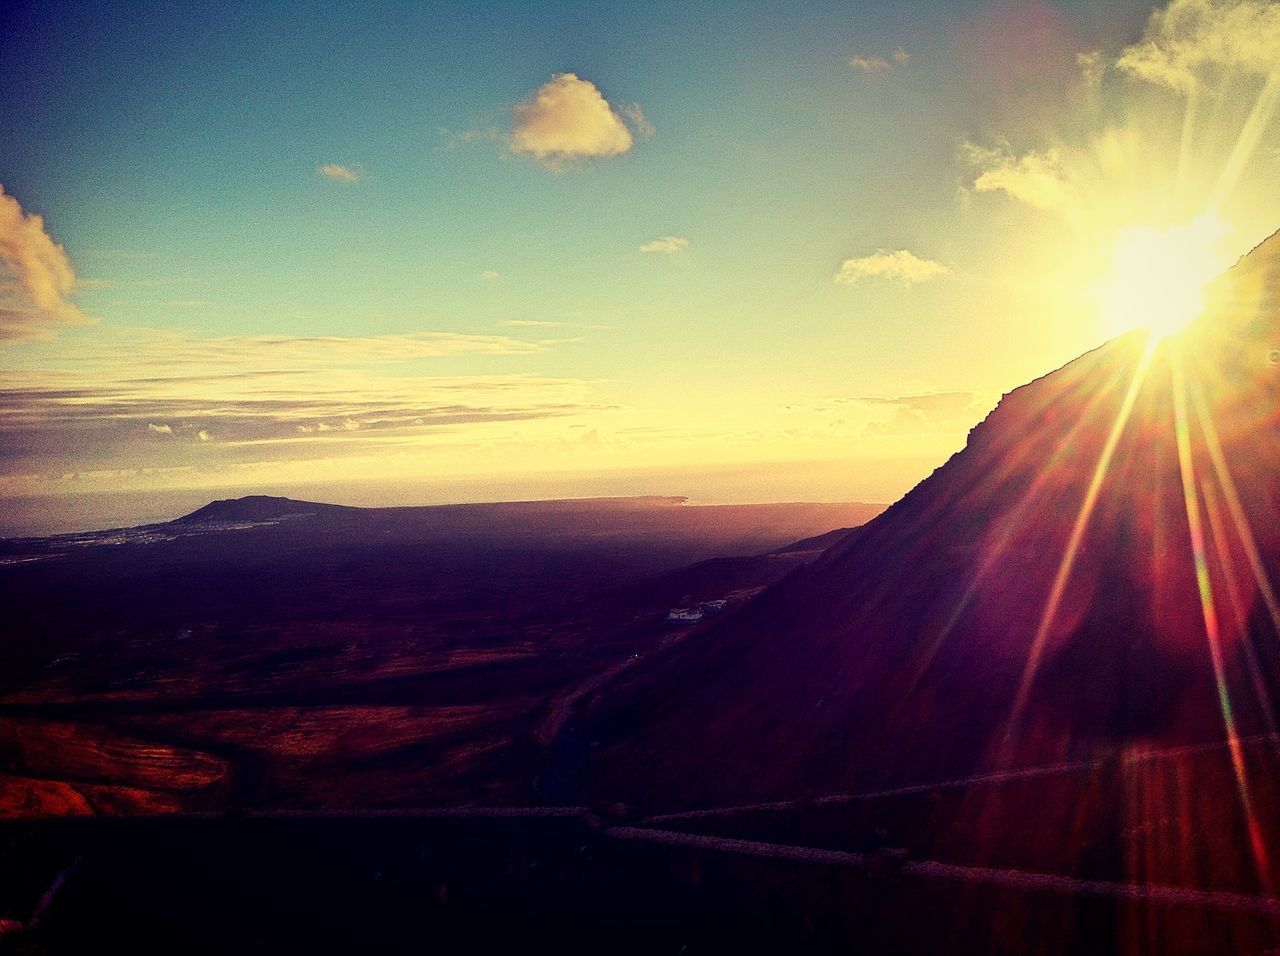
point(1095, 571)
point(261, 508)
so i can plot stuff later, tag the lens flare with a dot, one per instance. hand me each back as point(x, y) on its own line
point(1157, 276)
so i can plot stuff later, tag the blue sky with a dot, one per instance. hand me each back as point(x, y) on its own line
point(178, 157)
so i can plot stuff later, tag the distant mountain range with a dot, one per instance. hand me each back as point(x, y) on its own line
point(275, 508)
point(1093, 574)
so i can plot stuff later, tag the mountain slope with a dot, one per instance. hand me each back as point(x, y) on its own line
point(1036, 600)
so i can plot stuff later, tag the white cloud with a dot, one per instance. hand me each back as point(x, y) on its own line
point(668, 245)
point(1187, 35)
point(203, 435)
point(869, 64)
point(36, 277)
point(1035, 178)
point(902, 265)
point(338, 173)
point(568, 119)
point(161, 429)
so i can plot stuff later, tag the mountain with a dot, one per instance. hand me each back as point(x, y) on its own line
point(261, 508)
point(1089, 579)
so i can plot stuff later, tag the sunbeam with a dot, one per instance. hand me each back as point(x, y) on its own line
point(1204, 586)
point(998, 542)
point(1234, 506)
point(1247, 141)
point(1071, 552)
point(1184, 146)
point(1240, 617)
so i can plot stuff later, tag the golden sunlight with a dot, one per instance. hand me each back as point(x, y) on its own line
point(1157, 275)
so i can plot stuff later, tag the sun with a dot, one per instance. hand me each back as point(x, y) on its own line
point(1158, 274)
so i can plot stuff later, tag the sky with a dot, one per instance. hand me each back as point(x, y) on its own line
point(424, 252)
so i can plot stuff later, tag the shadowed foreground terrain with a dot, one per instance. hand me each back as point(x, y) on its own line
point(559, 881)
point(269, 653)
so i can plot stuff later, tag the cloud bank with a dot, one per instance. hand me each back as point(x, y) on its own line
point(568, 119)
point(903, 266)
point(162, 398)
point(36, 277)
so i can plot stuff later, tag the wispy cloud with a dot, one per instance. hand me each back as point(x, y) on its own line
point(667, 245)
point(336, 172)
point(1222, 56)
point(902, 265)
point(1036, 177)
point(873, 63)
point(452, 140)
point(1187, 35)
point(36, 276)
point(1190, 44)
point(914, 414)
point(640, 124)
point(568, 119)
point(869, 64)
point(1093, 67)
point(163, 350)
point(491, 275)
point(934, 412)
